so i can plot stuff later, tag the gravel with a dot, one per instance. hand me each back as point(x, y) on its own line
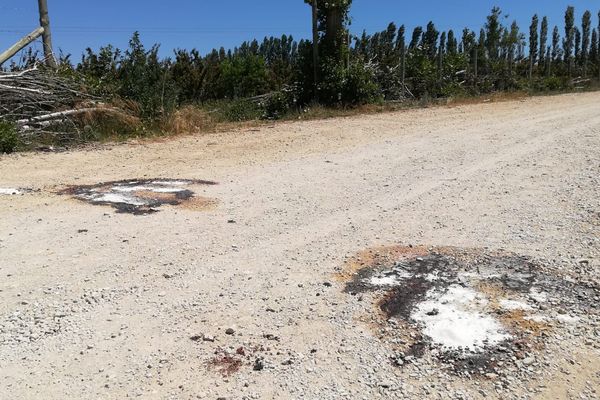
point(110, 313)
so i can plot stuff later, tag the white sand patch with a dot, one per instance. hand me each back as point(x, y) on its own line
point(9, 191)
point(454, 319)
point(512, 305)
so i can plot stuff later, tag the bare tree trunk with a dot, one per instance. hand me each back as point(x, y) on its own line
point(46, 36)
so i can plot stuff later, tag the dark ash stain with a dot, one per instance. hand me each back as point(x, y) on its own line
point(151, 200)
point(510, 273)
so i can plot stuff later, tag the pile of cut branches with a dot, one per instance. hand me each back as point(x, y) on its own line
point(42, 102)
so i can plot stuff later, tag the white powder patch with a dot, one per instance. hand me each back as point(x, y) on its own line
point(536, 318)
point(155, 189)
point(540, 297)
point(432, 277)
point(125, 193)
point(567, 319)
point(171, 183)
point(390, 278)
point(511, 305)
point(454, 319)
point(9, 191)
point(384, 281)
point(117, 198)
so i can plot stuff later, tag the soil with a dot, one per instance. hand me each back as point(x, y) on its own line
point(97, 304)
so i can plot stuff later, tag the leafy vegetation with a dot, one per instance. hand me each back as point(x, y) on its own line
point(275, 77)
point(8, 137)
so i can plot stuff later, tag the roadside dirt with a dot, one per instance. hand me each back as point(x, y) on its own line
point(244, 295)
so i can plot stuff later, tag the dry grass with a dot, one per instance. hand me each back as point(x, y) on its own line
point(189, 119)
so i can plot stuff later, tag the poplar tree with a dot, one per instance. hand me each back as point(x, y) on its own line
point(430, 39)
point(493, 33)
point(416, 37)
point(555, 44)
point(594, 47)
point(401, 40)
point(452, 46)
point(543, 39)
point(533, 43)
point(577, 45)
point(569, 40)
point(586, 23)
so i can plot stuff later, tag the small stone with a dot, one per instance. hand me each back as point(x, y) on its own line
point(230, 331)
point(528, 361)
point(259, 364)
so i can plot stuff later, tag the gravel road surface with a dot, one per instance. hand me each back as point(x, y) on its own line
point(243, 295)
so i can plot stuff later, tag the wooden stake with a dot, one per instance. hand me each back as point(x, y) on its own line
point(46, 35)
point(14, 49)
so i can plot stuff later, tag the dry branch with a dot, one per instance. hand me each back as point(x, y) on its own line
point(41, 101)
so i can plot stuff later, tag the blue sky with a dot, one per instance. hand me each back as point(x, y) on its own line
point(207, 24)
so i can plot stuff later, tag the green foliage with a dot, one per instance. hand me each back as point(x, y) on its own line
point(381, 66)
point(147, 79)
point(347, 86)
point(9, 140)
point(240, 110)
point(243, 77)
point(278, 104)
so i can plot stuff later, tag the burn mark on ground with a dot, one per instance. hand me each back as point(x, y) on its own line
point(142, 196)
point(475, 310)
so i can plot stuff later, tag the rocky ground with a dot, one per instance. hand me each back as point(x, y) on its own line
point(443, 253)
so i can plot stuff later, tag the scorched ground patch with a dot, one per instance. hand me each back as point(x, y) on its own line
point(474, 310)
point(141, 196)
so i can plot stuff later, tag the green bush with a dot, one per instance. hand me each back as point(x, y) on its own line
point(347, 86)
point(278, 104)
point(360, 86)
point(9, 140)
point(554, 83)
point(241, 110)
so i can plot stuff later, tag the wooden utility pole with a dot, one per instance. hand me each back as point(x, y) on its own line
point(46, 35)
point(15, 48)
point(315, 29)
point(43, 31)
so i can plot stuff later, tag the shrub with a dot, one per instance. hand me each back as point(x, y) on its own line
point(241, 110)
point(278, 104)
point(347, 86)
point(9, 140)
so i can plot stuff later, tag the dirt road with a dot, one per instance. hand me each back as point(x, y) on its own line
point(244, 298)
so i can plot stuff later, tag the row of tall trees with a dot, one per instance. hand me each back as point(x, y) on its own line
point(498, 57)
point(391, 64)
